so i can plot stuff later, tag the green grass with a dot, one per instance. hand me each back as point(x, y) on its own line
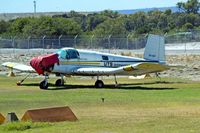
point(137, 106)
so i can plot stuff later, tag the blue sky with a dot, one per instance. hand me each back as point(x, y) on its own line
point(12, 6)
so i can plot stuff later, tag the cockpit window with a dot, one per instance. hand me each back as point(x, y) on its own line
point(68, 54)
point(73, 54)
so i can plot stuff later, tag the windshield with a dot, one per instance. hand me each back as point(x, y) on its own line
point(68, 54)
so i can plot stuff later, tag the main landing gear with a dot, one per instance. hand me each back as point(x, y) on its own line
point(100, 84)
point(44, 84)
point(60, 82)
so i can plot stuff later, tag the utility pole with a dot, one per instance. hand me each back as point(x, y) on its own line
point(34, 2)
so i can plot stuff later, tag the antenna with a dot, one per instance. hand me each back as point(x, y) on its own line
point(34, 2)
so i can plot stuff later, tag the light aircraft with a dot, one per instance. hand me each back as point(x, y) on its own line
point(73, 62)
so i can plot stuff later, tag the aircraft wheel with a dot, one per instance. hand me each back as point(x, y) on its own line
point(99, 84)
point(43, 85)
point(59, 82)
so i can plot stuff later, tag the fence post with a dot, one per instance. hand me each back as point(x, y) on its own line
point(43, 42)
point(109, 42)
point(60, 41)
point(29, 43)
point(127, 41)
point(13, 44)
point(75, 40)
point(91, 41)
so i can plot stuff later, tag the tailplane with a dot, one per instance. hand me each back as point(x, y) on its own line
point(155, 48)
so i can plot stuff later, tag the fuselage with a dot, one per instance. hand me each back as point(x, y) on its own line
point(70, 59)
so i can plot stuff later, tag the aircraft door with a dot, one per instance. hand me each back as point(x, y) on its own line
point(73, 56)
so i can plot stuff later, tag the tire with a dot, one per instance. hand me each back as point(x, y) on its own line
point(99, 84)
point(59, 82)
point(44, 85)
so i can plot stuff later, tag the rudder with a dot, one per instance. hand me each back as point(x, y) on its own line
point(155, 48)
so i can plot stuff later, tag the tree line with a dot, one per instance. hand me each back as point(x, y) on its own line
point(106, 23)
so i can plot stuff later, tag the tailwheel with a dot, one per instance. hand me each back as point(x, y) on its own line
point(59, 82)
point(44, 85)
point(99, 84)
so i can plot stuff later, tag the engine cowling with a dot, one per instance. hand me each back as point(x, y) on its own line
point(44, 62)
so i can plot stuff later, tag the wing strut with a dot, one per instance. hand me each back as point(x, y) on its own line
point(21, 81)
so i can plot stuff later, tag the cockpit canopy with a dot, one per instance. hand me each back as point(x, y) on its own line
point(68, 54)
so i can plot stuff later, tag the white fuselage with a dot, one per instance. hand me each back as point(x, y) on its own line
point(92, 59)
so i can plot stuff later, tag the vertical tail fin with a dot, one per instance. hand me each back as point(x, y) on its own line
point(155, 48)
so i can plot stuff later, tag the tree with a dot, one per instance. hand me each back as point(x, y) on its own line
point(16, 27)
point(110, 13)
point(51, 27)
point(94, 20)
point(188, 26)
point(110, 27)
point(106, 23)
point(4, 26)
point(136, 22)
point(64, 26)
point(191, 6)
point(168, 12)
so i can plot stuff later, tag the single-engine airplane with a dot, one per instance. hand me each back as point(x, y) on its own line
point(70, 61)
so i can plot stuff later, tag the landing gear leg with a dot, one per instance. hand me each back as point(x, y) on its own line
point(99, 83)
point(157, 75)
point(21, 81)
point(44, 84)
point(60, 82)
point(116, 84)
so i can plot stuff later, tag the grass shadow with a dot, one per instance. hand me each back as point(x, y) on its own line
point(128, 86)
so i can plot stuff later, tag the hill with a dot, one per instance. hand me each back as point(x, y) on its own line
point(131, 11)
point(10, 16)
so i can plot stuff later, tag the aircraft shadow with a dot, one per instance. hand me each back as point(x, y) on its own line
point(131, 86)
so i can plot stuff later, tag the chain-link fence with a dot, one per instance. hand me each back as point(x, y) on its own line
point(184, 41)
point(89, 42)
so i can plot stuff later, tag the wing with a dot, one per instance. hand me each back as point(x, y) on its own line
point(19, 67)
point(135, 69)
